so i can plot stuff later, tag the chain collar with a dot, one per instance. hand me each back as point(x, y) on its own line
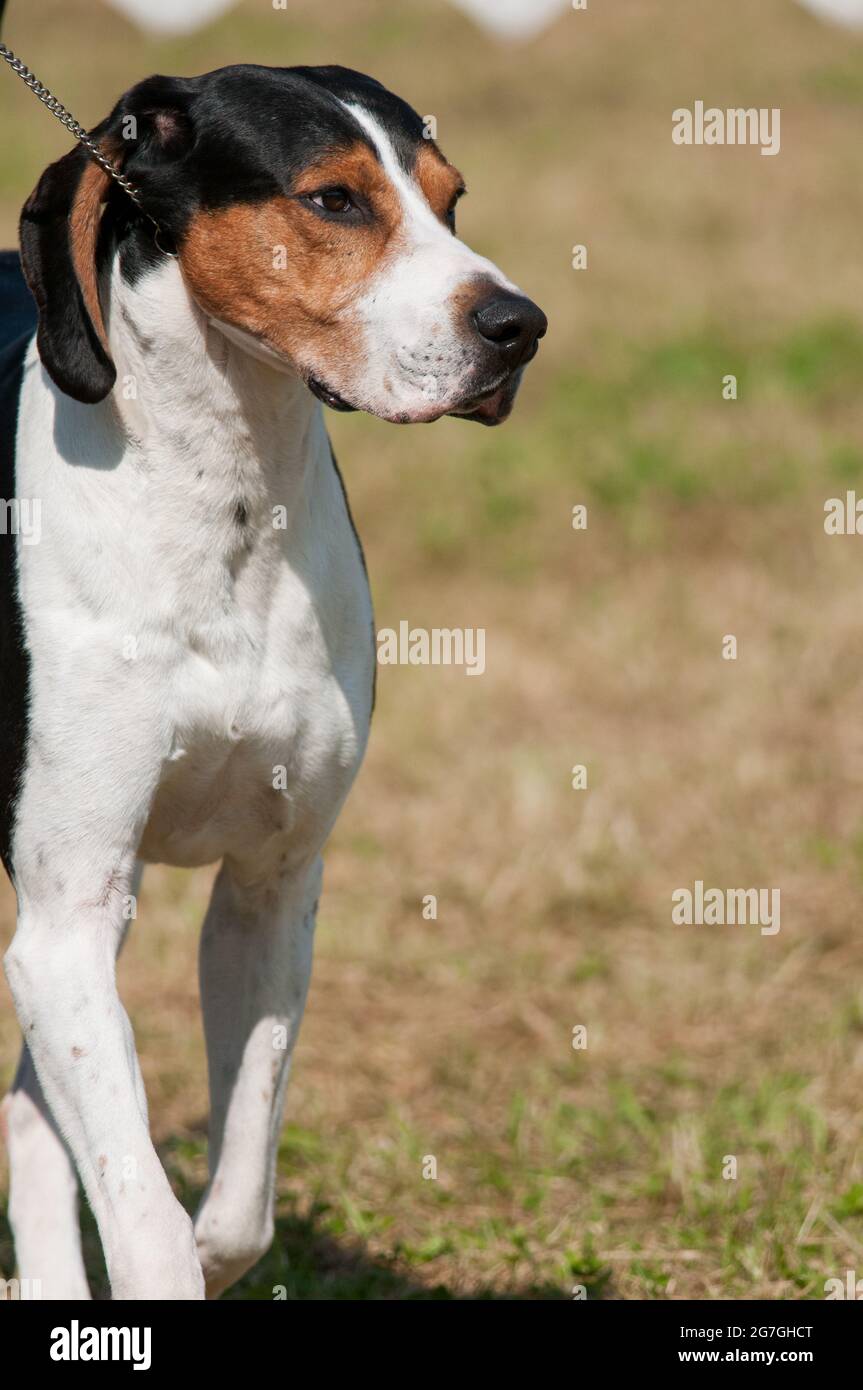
point(68, 120)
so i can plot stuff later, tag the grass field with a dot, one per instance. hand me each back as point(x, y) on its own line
point(453, 1037)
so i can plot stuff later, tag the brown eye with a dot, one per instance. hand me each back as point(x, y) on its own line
point(332, 200)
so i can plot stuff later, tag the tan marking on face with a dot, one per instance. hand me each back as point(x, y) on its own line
point(289, 277)
point(438, 179)
point(84, 219)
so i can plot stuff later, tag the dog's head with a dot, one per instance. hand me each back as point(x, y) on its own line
point(313, 221)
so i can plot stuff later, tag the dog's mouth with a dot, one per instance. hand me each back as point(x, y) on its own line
point(327, 396)
point(493, 406)
point(488, 407)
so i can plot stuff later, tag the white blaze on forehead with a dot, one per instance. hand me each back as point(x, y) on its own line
point(412, 200)
point(421, 222)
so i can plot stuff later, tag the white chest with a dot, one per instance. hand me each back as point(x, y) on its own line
point(199, 596)
point(269, 720)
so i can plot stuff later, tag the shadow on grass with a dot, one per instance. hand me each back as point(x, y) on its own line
point(306, 1262)
point(308, 1259)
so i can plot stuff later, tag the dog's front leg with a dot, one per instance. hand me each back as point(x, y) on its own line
point(43, 1193)
point(256, 959)
point(43, 1189)
point(72, 876)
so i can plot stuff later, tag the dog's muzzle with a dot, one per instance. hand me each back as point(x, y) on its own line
point(509, 327)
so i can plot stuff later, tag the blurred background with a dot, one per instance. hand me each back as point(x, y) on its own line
point(453, 1037)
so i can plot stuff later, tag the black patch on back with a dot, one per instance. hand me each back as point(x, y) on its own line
point(17, 324)
point(17, 309)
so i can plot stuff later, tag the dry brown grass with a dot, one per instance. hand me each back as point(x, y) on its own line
point(453, 1037)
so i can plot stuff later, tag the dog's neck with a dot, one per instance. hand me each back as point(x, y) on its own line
point(189, 389)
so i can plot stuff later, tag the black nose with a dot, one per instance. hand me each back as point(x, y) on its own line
point(513, 324)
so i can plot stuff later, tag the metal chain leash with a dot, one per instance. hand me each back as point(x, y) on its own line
point(68, 120)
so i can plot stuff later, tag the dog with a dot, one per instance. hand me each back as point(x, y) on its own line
point(187, 648)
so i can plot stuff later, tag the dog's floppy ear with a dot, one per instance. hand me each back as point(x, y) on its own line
point(59, 230)
point(147, 134)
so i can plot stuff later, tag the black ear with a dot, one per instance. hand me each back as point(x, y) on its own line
point(59, 230)
point(147, 135)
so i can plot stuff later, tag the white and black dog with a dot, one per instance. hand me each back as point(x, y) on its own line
point(186, 646)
